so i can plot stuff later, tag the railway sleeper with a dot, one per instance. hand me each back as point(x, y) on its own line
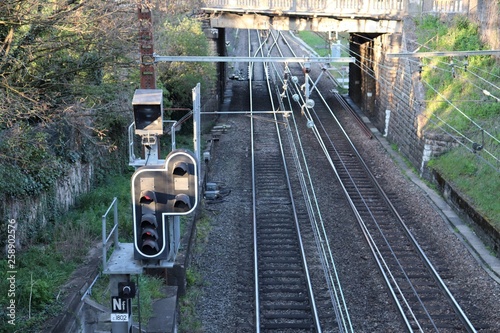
point(289, 290)
point(294, 274)
point(281, 252)
point(278, 326)
point(281, 281)
point(296, 316)
point(287, 307)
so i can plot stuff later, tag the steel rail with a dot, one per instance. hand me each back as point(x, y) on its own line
point(312, 304)
point(427, 262)
point(463, 317)
point(381, 263)
point(254, 196)
point(380, 260)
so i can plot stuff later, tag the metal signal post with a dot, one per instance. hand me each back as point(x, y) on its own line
point(148, 101)
point(161, 190)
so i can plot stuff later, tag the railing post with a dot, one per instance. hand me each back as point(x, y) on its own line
point(115, 213)
point(104, 250)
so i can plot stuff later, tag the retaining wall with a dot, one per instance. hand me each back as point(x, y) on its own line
point(390, 97)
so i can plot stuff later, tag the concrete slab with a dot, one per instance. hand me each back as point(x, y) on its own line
point(164, 319)
point(122, 261)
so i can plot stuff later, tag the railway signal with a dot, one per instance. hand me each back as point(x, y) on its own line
point(148, 197)
point(182, 182)
point(160, 191)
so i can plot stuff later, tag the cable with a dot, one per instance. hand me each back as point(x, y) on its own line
point(406, 98)
point(148, 147)
point(465, 65)
point(370, 72)
point(138, 302)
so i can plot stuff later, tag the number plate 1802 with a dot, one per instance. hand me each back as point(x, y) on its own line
point(119, 317)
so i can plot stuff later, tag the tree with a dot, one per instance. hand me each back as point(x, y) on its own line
point(186, 38)
point(64, 87)
point(51, 49)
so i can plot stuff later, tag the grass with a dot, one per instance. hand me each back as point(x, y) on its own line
point(44, 267)
point(318, 43)
point(48, 264)
point(475, 180)
point(190, 322)
point(468, 174)
point(187, 304)
point(322, 47)
point(478, 182)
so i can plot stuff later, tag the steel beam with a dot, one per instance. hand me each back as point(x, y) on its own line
point(441, 54)
point(250, 59)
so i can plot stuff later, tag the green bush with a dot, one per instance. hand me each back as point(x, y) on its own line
point(185, 38)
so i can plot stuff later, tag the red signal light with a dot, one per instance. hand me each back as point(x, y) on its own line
point(147, 197)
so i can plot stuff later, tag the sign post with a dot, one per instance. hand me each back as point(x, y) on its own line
point(121, 314)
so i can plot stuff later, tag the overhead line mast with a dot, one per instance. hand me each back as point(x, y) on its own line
point(146, 41)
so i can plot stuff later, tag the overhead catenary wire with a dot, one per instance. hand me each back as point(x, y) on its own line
point(410, 328)
point(405, 98)
point(316, 218)
point(441, 121)
point(327, 154)
point(446, 64)
point(444, 69)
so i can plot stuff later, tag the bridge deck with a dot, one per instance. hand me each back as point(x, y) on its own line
point(376, 9)
point(374, 16)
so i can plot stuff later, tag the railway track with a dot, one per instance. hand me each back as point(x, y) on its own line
point(282, 297)
point(276, 292)
point(420, 295)
point(284, 294)
point(418, 291)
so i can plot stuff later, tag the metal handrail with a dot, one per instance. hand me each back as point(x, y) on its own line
point(113, 232)
point(131, 142)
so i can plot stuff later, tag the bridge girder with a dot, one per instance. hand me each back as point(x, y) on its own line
point(296, 23)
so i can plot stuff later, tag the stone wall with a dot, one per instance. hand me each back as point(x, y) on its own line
point(392, 93)
point(435, 144)
point(488, 18)
point(391, 97)
point(33, 213)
